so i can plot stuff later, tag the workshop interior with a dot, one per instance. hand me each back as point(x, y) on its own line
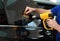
point(14, 26)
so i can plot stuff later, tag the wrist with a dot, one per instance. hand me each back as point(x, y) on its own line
point(57, 27)
point(35, 9)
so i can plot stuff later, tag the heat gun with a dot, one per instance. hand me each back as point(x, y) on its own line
point(43, 17)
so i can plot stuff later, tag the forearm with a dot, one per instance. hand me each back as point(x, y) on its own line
point(57, 27)
point(40, 10)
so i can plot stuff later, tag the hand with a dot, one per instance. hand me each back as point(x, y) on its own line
point(29, 10)
point(52, 23)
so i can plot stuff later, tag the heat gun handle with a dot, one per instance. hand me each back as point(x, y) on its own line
point(46, 26)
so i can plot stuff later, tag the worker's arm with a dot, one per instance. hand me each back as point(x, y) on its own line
point(53, 24)
point(57, 28)
point(38, 10)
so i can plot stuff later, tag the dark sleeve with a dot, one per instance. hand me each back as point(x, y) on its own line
point(55, 10)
